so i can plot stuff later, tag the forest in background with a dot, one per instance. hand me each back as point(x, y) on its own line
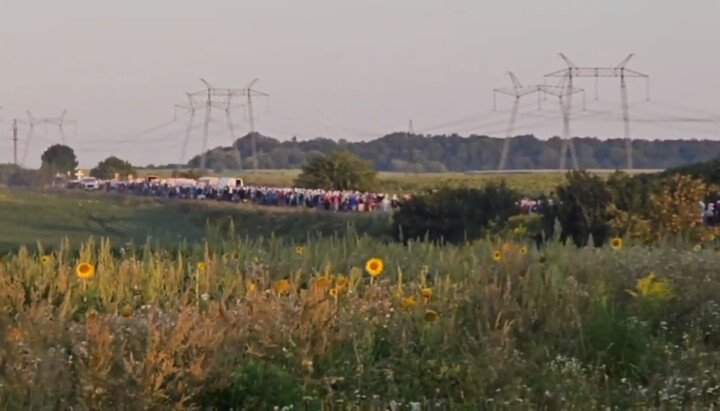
point(440, 153)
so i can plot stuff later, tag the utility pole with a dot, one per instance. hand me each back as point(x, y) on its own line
point(206, 126)
point(15, 141)
point(411, 157)
point(564, 92)
point(253, 136)
point(620, 71)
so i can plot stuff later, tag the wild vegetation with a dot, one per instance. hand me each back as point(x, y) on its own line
point(349, 322)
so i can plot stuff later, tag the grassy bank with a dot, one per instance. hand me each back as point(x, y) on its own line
point(28, 217)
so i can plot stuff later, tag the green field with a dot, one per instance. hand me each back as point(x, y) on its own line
point(526, 182)
point(28, 217)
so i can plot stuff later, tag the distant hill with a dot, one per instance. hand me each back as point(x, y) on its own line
point(416, 153)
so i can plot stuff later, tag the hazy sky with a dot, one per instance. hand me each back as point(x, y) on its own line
point(342, 69)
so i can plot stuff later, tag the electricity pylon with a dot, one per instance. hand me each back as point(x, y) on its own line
point(229, 93)
point(619, 71)
point(33, 121)
point(564, 93)
point(518, 91)
point(411, 157)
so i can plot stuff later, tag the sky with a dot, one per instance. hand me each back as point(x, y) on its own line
point(340, 69)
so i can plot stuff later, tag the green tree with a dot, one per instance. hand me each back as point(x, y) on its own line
point(59, 158)
point(343, 171)
point(107, 168)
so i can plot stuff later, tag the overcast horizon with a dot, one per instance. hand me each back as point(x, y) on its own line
point(352, 70)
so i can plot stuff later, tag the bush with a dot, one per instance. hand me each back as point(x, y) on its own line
point(455, 214)
point(255, 384)
point(583, 208)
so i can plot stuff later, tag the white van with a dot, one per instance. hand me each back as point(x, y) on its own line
point(231, 182)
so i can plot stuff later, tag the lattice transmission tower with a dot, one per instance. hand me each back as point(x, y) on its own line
point(620, 71)
point(192, 107)
point(33, 122)
point(518, 91)
point(230, 93)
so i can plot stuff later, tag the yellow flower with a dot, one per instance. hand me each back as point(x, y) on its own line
point(523, 250)
point(616, 243)
point(426, 293)
point(651, 288)
point(431, 316)
point(251, 287)
point(341, 282)
point(697, 247)
point(14, 334)
point(126, 311)
point(712, 237)
point(408, 302)
point(333, 292)
point(201, 266)
point(281, 287)
point(45, 259)
point(300, 250)
point(497, 256)
point(425, 269)
point(85, 270)
point(374, 266)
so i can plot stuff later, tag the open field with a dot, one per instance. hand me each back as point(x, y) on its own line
point(28, 217)
point(527, 182)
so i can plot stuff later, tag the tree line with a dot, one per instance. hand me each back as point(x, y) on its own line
point(442, 153)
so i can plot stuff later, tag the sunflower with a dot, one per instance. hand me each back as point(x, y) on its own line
point(85, 270)
point(431, 316)
point(616, 243)
point(374, 266)
point(300, 250)
point(281, 287)
point(201, 266)
point(426, 293)
point(126, 311)
point(523, 250)
point(497, 256)
point(341, 282)
point(333, 292)
point(408, 302)
point(45, 259)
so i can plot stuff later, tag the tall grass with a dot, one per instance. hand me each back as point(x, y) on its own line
point(214, 325)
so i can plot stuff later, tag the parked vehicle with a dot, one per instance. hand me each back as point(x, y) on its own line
point(230, 182)
point(90, 183)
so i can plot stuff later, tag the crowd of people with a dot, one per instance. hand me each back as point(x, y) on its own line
point(331, 200)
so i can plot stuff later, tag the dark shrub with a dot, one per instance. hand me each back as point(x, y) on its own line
point(455, 214)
